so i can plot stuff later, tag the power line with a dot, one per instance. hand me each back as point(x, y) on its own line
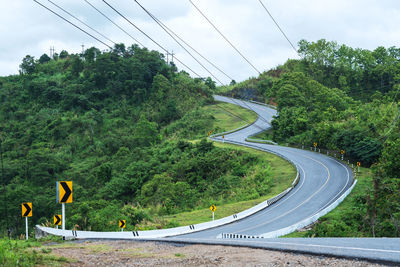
point(119, 27)
point(130, 22)
point(82, 22)
point(55, 13)
point(280, 29)
point(183, 41)
point(226, 39)
point(170, 34)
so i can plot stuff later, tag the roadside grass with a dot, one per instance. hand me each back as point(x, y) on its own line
point(282, 170)
point(344, 220)
point(266, 135)
point(225, 121)
point(27, 253)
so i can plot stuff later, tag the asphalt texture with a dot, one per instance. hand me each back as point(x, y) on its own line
point(322, 180)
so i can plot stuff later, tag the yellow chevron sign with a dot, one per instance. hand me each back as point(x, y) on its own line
point(122, 223)
point(26, 209)
point(57, 219)
point(64, 192)
point(213, 208)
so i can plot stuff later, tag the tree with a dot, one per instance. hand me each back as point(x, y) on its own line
point(63, 54)
point(28, 65)
point(44, 58)
point(210, 83)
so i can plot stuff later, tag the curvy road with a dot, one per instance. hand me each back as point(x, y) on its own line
point(322, 181)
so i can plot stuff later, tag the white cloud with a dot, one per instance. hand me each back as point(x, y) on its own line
point(27, 28)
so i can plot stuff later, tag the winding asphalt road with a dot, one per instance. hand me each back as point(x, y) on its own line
point(322, 181)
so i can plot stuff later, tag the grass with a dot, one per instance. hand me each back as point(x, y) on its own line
point(226, 121)
point(27, 253)
point(266, 135)
point(282, 170)
point(342, 221)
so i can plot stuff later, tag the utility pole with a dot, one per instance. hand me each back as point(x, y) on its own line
point(83, 49)
point(4, 186)
point(167, 57)
point(52, 50)
point(172, 55)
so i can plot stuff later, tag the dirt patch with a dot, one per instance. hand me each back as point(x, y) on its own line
point(128, 253)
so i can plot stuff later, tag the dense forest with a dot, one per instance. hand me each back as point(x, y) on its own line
point(113, 122)
point(343, 99)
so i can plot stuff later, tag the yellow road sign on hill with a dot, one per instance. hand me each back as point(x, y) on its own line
point(213, 208)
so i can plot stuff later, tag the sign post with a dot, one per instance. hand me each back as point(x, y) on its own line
point(342, 152)
point(223, 139)
point(358, 166)
point(64, 195)
point(122, 224)
point(315, 146)
point(213, 208)
point(26, 212)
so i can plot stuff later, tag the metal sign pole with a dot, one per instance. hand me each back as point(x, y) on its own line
point(213, 216)
point(26, 226)
point(63, 215)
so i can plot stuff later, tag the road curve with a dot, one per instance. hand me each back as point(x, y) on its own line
point(322, 181)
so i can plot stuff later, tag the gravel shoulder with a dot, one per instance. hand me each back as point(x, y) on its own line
point(133, 253)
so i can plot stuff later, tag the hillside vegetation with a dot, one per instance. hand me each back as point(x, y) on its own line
point(129, 130)
point(342, 99)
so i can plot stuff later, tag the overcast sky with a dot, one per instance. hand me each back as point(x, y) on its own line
point(27, 28)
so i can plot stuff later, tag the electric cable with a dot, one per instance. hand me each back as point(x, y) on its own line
point(170, 34)
point(280, 29)
point(160, 46)
point(208, 61)
point(55, 13)
point(105, 37)
point(115, 24)
point(226, 39)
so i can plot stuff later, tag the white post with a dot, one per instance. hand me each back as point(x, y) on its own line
point(342, 156)
point(122, 229)
point(57, 226)
point(26, 226)
point(213, 216)
point(358, 168)
point(63, 215)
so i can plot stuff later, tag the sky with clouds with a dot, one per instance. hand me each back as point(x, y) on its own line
point(27, 28)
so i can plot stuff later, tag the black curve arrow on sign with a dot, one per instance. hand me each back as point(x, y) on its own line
point(67, 192)
point(28, 210)
point(58, 219)
point(122, 223)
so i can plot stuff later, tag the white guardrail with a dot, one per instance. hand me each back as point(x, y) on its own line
point(42, 231)
point(296, 226)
